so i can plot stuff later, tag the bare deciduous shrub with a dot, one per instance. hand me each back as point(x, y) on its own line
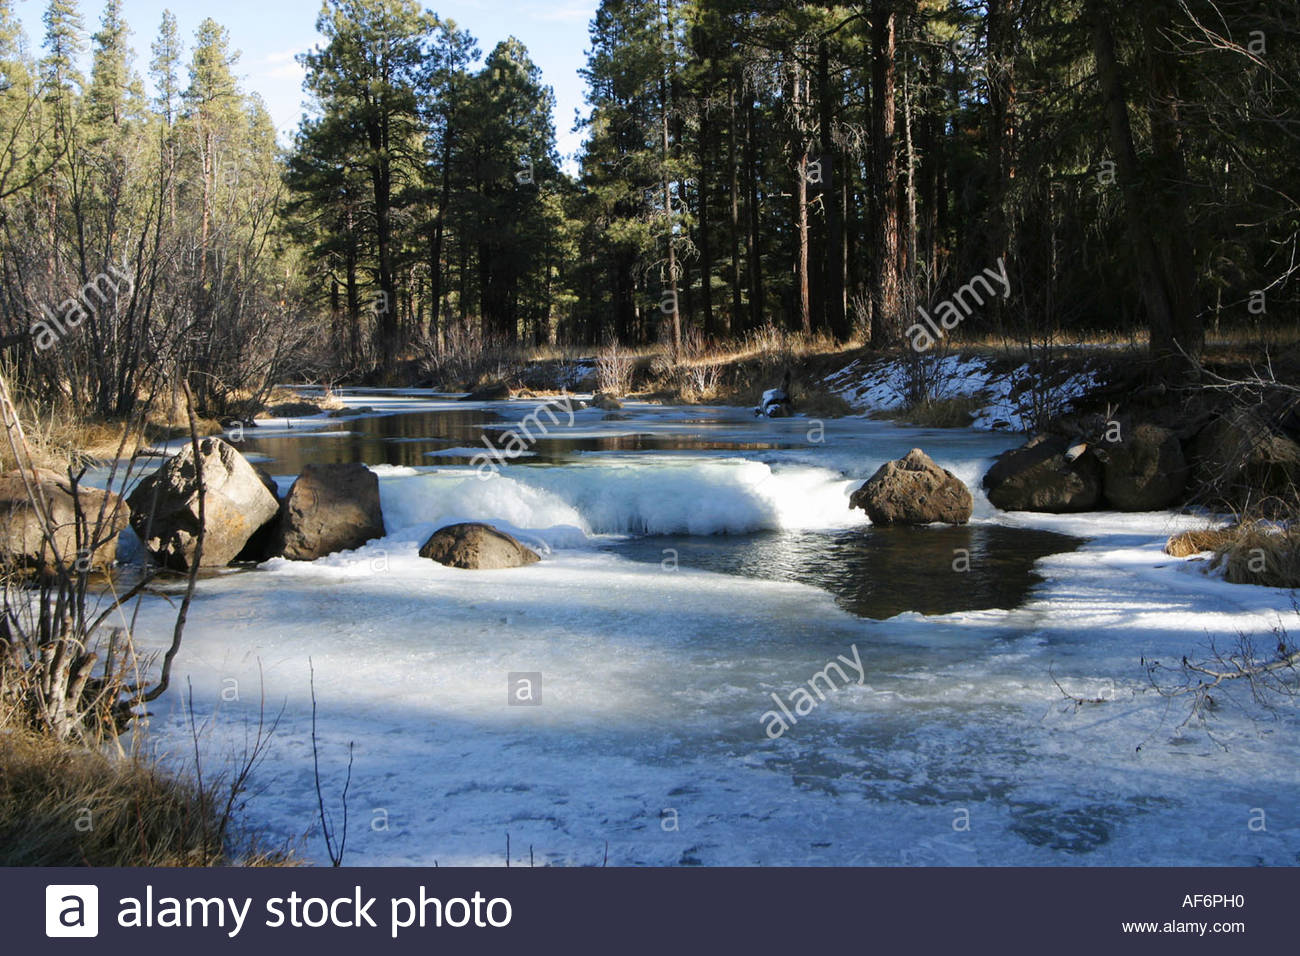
point(770, 347)
point(463, 355)
point(614, 368)
point(68, 667)
point(1266, 665)
point(927, 377)
point(694, 374)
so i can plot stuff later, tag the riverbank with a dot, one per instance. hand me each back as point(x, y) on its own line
point(66, 804)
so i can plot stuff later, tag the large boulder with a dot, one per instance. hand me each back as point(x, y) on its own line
point(1049, 473)
point(262, 544)
point(23, 543)
point(913, 490)
point(1144, 470)
point(237, 502)
point(475, 547)
point(1238, 457)
point(329, 508)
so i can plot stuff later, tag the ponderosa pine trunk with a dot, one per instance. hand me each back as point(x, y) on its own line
point(1156, 210)
point(886, 305)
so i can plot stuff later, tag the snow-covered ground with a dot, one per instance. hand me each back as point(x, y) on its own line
point(1008, 404)
point(956, 748)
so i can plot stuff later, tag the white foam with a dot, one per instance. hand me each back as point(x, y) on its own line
point(683, 496)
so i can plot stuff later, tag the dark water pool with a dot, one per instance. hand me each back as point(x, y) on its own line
point(408, 438)
point(878, 572)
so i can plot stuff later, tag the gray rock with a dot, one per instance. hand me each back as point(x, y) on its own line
point(496, 392)
point(301, 409)
point(476, 546)
point(1145, 470)
point(1042, 475)
point(329, 508)
point(165, 506)
point(23, 543)
point(1238, 457)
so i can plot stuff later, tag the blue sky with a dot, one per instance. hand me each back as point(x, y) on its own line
point(270, 32)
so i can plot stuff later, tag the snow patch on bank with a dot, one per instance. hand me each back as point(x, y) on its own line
point(1010, 397)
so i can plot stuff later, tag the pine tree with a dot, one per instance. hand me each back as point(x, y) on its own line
point(510, 154)
point(366, 75)
point(444, 91)
point(110, 79)
point(212, 105)
point(165, 69)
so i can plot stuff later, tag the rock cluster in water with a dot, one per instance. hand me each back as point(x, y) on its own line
point(329, 508)
point(237, 501)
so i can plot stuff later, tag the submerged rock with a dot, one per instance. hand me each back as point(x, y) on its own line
point(300, 409)
point(1145, 471)
point(1049, 473)
point(330, 508)
point(349, 412)
point(475, 546)
point(23, 543)
point(237, 502)
point(913, 490)
point(496, 392)
point(606, 403)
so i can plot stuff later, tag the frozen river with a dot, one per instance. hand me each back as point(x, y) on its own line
point(700, 570)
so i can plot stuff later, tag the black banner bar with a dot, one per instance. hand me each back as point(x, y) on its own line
point(651, 910)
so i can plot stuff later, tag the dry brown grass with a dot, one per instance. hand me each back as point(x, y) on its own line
point(1200, 540)
point(326, 401)
point(820, 403)
point(1250, 552)
point(65, 805)
point(60, 436)
point(954, 412)
point(1258, 553)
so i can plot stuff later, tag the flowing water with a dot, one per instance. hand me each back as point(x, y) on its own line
point(700, 569)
